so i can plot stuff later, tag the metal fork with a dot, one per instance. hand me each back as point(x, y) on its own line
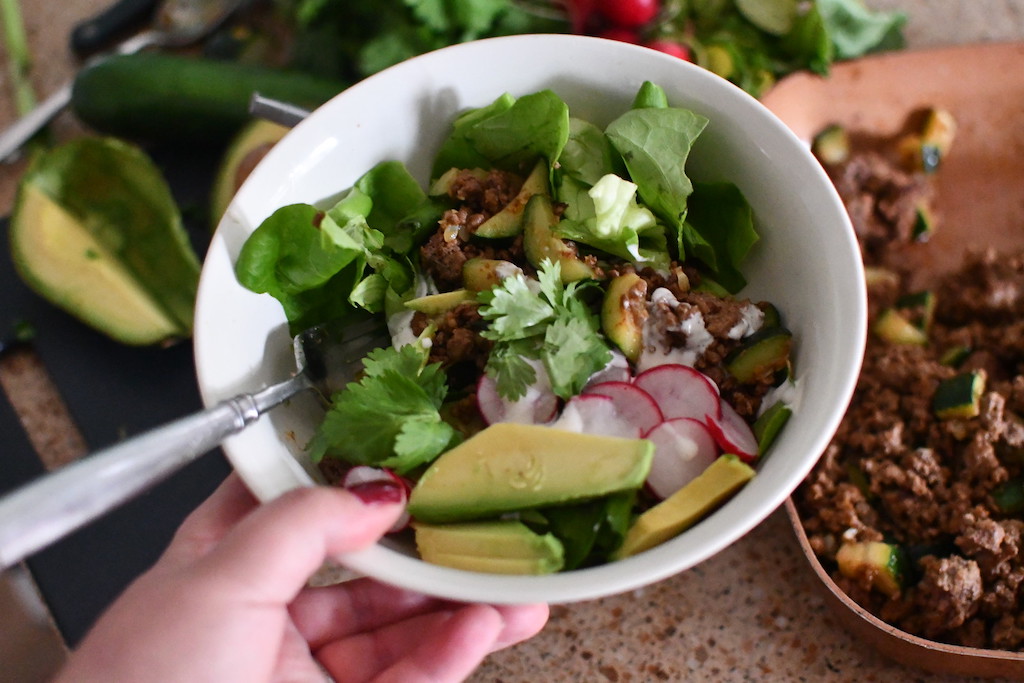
point(41, 512)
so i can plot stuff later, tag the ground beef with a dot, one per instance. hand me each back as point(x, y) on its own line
point(896, 472)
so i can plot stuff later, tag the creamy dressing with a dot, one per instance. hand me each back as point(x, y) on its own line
point(751, 320)
point(788, 393)
point(524, 410)
point(656, 349)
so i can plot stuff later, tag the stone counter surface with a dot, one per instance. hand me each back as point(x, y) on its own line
point(752, 612)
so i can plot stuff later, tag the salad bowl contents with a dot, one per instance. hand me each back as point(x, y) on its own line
point(593, 347)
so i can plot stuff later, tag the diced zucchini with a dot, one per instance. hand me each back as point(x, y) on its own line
point(1009, 496)
point(437, 304)
point(768, 425)
point(959, 396)
point(760, 355)
point(894, 328)
point(925, 150)
point(881, 562)
point(955, 355)
point(832, 145)
point(772, 317)
point(875, 276)
point(443, 184)
point(918, 309)
point(924, 223)
point(855, 473)
point(509, 221)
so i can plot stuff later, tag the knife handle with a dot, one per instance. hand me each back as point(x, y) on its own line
point(98, 33)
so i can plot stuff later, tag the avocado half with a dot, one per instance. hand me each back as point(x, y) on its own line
point(245, 150)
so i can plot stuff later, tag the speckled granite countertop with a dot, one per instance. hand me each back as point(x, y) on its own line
point(753, 612)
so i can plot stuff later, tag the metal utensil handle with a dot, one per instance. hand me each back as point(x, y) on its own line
point(12, 139)
point(48, 509)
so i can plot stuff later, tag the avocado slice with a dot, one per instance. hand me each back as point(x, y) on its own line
point(540, 241)
point(244, 151)
point(96, 232)
point(685, 507)
point(493, 547)
point(509, 221)
point(623, 313)
point(509, 467)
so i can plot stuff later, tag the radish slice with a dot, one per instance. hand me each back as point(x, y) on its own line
point(537, 406)
point(632, 402)
point(617, 370)
point(683, 448)
point(733, 433)
point(363, 475)
point(681, 391)
point(595, 414)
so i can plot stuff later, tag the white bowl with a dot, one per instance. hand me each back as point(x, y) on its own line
point(807, 263)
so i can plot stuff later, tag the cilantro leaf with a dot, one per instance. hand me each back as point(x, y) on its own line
point(390, 418)
point(550, 322)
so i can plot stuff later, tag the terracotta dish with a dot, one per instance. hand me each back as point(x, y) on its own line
point(979, 200)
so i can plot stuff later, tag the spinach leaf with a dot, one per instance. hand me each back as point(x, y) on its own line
point(721, 215)
point(654, 144)
point(855, 30)
point(535, 127)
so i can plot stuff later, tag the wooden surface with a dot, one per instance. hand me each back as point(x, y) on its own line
point(751, 612)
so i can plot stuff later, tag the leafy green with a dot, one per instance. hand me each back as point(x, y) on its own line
point(509, 134)
point(607, 217)
point(551, 323)
point(720, 214)
point(351, 39)
point(854, 29)
point(591, 531)
point(390, 418)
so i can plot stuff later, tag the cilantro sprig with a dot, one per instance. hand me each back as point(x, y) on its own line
point(390, 417)
point(549, 322)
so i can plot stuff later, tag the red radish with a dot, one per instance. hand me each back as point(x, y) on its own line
point(634, 404)
point(629, 13)
point(595, 414)
point(733, 433)
point(623, 35)
point(683, 448)
point(671, 47)
point(369, 483)
point(537, 406)
point(680, 391)
point(580, 14)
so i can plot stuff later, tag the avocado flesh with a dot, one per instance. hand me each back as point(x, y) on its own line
point(623, 313)
point(60, 259)
point(686, 506)
point(245, 150)
point(540, 241)
point(509, 221)
point(509, 467)
point(493, 547)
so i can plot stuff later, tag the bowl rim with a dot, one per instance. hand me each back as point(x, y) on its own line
point(671, 557)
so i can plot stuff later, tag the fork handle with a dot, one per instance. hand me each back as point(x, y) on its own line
point(46, 510)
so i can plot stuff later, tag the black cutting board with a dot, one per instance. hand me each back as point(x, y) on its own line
point(111, 391)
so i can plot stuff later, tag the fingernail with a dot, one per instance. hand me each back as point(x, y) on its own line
point(379, 492)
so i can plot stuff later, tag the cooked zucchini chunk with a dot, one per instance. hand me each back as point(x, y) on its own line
point(918, 308)
point(959, 396)
point(832, 145)
point(926, 150)
point(760, 355)
point(893, 327)
point(880, 562)
point(769, 423)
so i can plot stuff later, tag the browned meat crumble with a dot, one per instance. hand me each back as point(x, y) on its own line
point(895, 472)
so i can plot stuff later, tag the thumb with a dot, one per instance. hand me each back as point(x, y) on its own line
point(271, 554)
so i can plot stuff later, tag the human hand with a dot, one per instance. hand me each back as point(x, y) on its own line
point(228, 601)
